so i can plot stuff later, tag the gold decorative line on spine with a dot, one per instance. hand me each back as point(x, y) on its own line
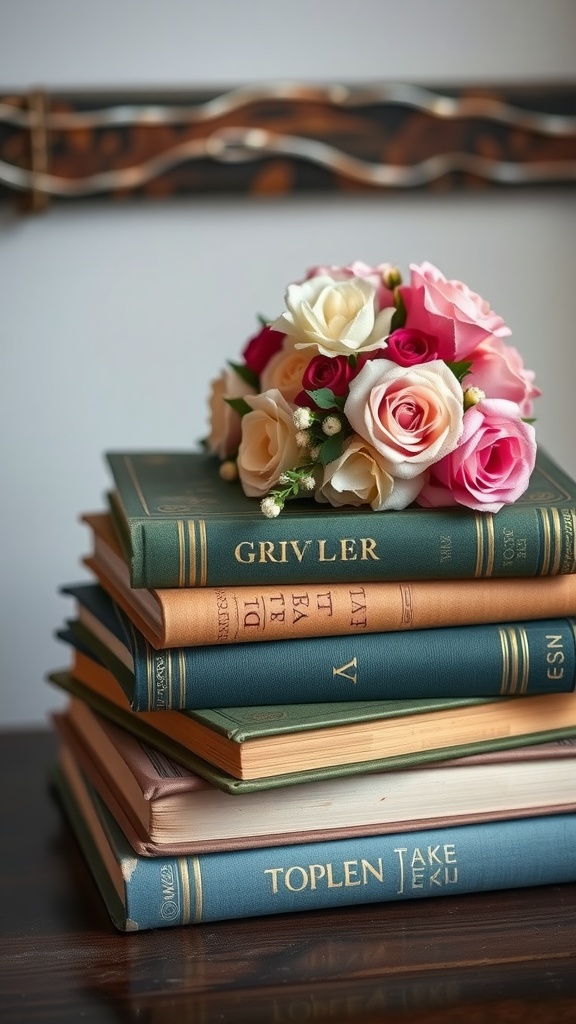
point(504, 682)
point(514, 660)
point(182, 674)
point(130, 469)
point(490, 546)
point(546, 541)
point(203, 552)
point(478, 523)
point(525, 649)
point(185, 885)
point(181, 552)
point(198, 909)
point(193, 553)
point(557, 533)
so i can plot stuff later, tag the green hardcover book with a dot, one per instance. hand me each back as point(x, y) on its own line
point(182, 526)
point(246, 749)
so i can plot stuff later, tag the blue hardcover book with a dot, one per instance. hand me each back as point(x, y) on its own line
point(481, 661)
point(155, 892)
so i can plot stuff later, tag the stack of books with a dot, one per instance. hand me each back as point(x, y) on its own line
point(333, 707)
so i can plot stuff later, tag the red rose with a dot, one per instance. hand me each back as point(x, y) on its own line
point(408, 347)
point(260, 348)
point(332, 372)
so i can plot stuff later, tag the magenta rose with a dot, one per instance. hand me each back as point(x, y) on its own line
point(334, 372)
point(449, 311)
point(375, 275)
point(260, 348)
point(492, 463)
point(408, 347)
point(498, 369)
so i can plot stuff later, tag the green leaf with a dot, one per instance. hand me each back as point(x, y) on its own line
point(247, 375)
point(460, 369)
point(324, 398)
point(331, 449)
point(263, 320)
point(239, 404)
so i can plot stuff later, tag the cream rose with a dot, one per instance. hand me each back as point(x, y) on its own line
point(268, 444)
point(284, 371)
point(411, 415)
point(335, 317)
point(360, 477)
point(225, 423)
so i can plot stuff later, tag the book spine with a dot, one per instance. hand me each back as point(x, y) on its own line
point(483, 857)
point(464, 661)
point(206, 616)
point(408, 545)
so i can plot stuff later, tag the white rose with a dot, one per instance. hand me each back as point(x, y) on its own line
point(268, 444)
point(412, 415)
point(225, 424)
point(335, 317)
point(360, 477)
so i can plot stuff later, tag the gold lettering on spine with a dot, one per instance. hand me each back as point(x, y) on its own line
point(185, 887)
point(198, 907)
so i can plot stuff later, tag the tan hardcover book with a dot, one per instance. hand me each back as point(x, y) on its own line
point(190, 616)
point(164, 808)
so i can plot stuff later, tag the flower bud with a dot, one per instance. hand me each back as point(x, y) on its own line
point(228, 471)
point(472, 396)
point(392, 278)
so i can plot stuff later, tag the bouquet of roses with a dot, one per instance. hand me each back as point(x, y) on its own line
point(369, 391)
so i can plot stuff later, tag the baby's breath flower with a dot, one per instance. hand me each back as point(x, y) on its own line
point(284, 478)
point(302, 439)
point(308, 483)
point(331, 425)
point(315, 453)
point(270, 507)
point(303, 418)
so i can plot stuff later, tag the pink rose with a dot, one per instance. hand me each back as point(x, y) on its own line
point(384, 295)
point(260, 348)
point(407, 347)
point(325, 372)
point(411, 415)
point(449, 311)
point(498, 369)
point(492, 464)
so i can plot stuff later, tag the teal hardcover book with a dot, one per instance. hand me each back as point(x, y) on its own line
point(489, 660)
point(155, 892)
point(182, 526)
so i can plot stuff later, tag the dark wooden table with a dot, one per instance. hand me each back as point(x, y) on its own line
point(503, 957)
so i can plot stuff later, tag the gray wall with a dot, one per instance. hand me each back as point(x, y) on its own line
point(114, 318)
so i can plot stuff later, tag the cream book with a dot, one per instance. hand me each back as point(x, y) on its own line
point(164, 808)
